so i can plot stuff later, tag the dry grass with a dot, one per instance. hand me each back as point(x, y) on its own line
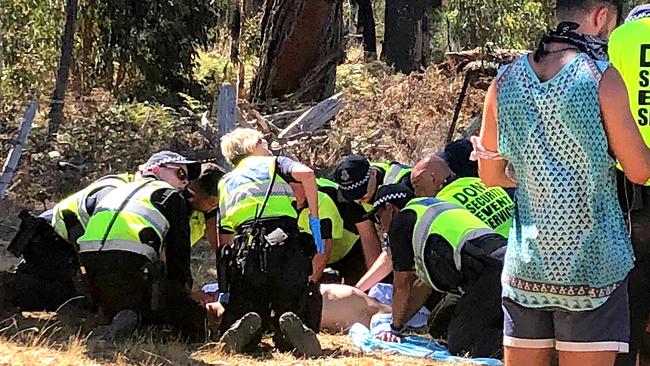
point(392, 117)
point(41, 338)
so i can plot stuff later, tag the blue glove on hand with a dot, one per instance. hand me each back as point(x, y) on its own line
point(314, 226)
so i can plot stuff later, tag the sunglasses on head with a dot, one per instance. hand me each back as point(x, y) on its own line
point(181, 173)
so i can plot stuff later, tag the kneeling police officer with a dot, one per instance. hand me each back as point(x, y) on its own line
point(265, 261)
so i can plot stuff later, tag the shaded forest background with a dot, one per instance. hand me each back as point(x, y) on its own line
point(139, 74)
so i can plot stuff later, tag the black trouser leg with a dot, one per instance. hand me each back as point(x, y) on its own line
point(289, 269)
point(116, 281)
point(186, 316)
point(639, 298)
point(477, 325)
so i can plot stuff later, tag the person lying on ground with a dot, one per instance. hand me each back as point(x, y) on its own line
point(442, 246)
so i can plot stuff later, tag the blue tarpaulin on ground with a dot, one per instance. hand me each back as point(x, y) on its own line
point(413, 346)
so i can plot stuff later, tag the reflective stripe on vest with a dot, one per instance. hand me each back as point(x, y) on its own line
point(153, 216)
point(455, 224)
point(492, 205)
point(108, 181)
point(393, 172)
point(76, 203)
point(122, 245)
point(242, 191)
point(138, 214)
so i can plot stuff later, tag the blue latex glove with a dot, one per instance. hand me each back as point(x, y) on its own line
point(314, 226)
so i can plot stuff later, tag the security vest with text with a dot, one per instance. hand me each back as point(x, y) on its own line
point(492, 205)
point(242, 191)
point(629, 52)
point(453, 223)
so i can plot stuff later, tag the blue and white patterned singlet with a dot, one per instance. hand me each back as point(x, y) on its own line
point(568, 247)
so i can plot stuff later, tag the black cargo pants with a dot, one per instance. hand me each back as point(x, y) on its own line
point(120, 280)
point(273, 283)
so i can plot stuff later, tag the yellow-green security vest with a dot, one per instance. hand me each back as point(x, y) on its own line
point(76, 203)
point(341, 246)
point(242, 191)
point(492, 205)
point(197, 226)
point(138, 214)
point(393, 172)
point(326, 210)
point(629, 52)
point(454, 223)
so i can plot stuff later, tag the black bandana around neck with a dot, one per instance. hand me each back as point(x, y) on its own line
point(594, 47)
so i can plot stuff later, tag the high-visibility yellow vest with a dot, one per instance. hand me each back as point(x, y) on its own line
point(242, 191)
point(342, 245)
point(197, 226)
point(629, 52)
point(138, 213)
point(326, 210)
point(454, 223)
point(393, 172)
point(76, 203)
point(492, 205)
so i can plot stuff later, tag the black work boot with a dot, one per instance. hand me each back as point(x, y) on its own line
point(241, 333)
point(122, 326)
point(303, 339)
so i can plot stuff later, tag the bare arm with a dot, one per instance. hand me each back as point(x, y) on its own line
point(622, 132)
point(369, 242)
point(305, 175)
point(380, 269)
point(420, 292)
point(225, 239)
point(492, 172)
point(211, 232)
point(402, 293)
point(320, 261)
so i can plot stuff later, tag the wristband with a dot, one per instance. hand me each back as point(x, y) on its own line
point(396, 330)
point(224, 297)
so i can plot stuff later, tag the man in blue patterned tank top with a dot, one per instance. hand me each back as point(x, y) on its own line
point(555, 115)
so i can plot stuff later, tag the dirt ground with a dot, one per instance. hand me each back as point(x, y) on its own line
point(42, 338)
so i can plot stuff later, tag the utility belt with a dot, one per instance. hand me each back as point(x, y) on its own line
point(254, 242)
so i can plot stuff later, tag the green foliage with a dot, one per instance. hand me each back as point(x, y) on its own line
point(356, 79)
point(31, 31)
point(160, 38)
point(504, 23)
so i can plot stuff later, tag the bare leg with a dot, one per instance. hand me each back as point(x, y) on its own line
point(587, 358)
point(514, 356)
